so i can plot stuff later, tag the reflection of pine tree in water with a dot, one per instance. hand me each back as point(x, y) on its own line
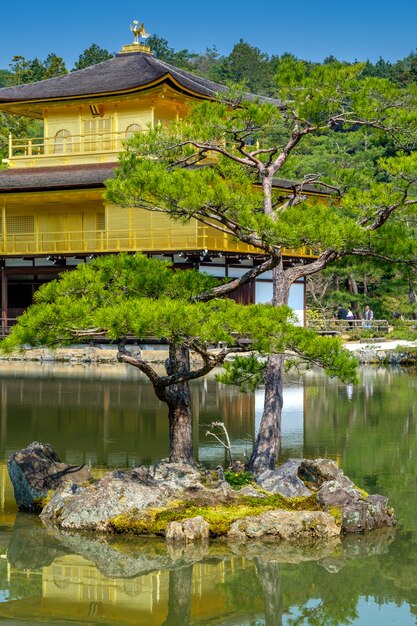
point(179, 602)
point(269, 576)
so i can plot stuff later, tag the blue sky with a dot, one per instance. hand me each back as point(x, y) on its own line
point(349, 30)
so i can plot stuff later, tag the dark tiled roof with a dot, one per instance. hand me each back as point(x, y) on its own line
point(122, 73)
point(85, 176)
point(59, 177)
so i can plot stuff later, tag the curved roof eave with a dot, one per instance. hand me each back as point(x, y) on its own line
point(126, 73)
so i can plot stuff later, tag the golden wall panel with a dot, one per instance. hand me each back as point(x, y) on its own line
point(72, 223)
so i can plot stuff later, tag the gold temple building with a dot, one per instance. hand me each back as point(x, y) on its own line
point(52, 212)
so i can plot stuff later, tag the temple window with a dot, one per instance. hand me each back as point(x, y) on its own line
point(97, 134)
point(101, 221)
point(20, 224)
point(132, 129)
point(63, 142)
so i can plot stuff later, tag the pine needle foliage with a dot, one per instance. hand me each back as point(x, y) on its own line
point(124, 295)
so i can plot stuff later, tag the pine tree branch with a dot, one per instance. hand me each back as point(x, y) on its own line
point(227, 288)
point(302, 270)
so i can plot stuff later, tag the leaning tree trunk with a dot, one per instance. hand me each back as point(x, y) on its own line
point(178, 400)
point(268, 440)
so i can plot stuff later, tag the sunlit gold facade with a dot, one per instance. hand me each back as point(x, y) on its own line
point(53, 213)
point(92, 130)
point(87, 132)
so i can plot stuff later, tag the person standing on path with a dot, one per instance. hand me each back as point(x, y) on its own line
point(368, 316)
point(341, 313)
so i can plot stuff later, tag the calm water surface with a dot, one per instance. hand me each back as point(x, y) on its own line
point(108, 417)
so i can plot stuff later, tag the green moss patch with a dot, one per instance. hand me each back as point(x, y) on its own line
point(239, 479)
point(336, 513)
point(220, 517)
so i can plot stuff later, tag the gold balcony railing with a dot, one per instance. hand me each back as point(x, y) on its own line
point(72, 144)
point(103, 141)
point(156, 239)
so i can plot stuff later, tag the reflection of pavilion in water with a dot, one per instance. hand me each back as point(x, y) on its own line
point(72, 588)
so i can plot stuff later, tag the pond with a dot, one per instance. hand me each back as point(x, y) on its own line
point(107, 416)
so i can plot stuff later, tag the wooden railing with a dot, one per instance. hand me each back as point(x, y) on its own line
point(101, 141)
point(6, 324)
point(72, 144)
point(336, 326)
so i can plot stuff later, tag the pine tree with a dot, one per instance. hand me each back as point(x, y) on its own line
point(236, 193)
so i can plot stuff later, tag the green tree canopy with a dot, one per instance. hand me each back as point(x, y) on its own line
point(160, 48)
point(247, 64)
point(91, 56)
point(28, 71)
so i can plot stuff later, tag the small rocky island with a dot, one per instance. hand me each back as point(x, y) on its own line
point(301, 499)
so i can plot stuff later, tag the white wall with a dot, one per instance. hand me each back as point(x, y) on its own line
point(263, 288)
point(263, 293)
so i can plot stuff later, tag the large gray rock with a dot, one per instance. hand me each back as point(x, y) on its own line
point(285, 525)
point(318, 471)
point(188, 530)
point(333, 493)
point(117, 493)
point(36, 470)
point(131, 494)
point(176, 475)
point(284, 480)
point(359, 512)
point(301, 477)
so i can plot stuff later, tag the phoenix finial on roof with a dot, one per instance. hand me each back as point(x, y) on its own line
point(138, 31)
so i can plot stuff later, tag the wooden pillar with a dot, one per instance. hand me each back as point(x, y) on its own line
point(4, 302)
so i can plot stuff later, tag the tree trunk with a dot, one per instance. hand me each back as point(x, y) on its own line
point(179, 408)
point(353, 289)
point(268, 440)
point(179, 602)
point(269, 576)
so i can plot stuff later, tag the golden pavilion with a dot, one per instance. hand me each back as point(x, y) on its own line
point(52, 212)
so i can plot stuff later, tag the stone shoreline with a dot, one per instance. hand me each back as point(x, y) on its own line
point(375, 352)
point(380, 351)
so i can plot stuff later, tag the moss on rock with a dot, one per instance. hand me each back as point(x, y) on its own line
point(336, 513)
point(220, 517)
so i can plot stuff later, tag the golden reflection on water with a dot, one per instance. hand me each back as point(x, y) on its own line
point(103, 414)
point(72, 588)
